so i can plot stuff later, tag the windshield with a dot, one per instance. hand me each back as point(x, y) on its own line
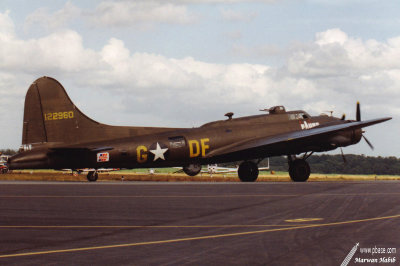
point(298, 116)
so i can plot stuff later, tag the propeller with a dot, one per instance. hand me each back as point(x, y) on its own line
point(367, 141)
point(344, 158)
point(358, 118)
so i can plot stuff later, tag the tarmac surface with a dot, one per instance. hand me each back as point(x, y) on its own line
point(144, 223)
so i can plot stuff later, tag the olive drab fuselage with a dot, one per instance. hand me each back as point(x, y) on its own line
point(184, 146)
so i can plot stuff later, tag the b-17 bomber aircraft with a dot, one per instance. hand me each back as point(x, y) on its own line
point(57, 135)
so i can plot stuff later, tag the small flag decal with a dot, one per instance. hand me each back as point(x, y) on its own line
point(103, 157)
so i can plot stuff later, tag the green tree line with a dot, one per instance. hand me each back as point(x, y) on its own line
point(334, 164)
point(8, 151)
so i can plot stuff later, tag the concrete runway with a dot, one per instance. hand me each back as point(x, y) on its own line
point(133, 223)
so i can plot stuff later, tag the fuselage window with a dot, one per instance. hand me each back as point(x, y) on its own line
point(177, 142)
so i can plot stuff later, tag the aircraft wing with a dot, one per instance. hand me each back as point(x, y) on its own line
point(292, 136)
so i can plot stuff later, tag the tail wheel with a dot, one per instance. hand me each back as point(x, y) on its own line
point(299, 170)
point(92, 176)
point(248, 171)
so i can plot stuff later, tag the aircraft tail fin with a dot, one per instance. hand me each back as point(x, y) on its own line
point(51, 117)
point(33, 127)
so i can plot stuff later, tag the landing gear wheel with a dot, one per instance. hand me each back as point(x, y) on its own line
point(248, 171)
point(192, 169)
point(92, 176)
point(299, 170)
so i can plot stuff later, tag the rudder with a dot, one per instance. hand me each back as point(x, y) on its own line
point(50, 117)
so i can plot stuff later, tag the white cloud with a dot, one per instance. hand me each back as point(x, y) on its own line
point(152, 74)
point(7, 25)
point(336, 54)
point(124, 13)
point(224, 1)
point(53, 21)
point(331, 36)
point(141, 14)
point(57, 52)
point(131, 13)
point(333, 65)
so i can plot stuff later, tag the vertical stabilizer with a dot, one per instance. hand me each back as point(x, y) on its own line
point(51, 117)
point(33, 127)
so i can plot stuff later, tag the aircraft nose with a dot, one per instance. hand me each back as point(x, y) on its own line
point(357, 134)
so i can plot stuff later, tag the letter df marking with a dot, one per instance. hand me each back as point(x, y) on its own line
point(195, 147)
point(192, 145)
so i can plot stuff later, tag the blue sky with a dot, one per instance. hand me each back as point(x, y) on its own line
point(154, 60)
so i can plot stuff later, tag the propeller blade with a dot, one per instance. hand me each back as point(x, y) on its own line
point(358, 113)
point(343, 117)
point(344, 158)
point(369, 143)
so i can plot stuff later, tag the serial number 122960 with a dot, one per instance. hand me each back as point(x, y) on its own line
point(59, 115)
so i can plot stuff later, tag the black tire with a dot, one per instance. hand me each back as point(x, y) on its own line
point(92, 176)
point(299, 170)
point(192, 169)
point(248, 171)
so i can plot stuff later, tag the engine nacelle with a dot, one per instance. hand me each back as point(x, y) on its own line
point(346, 138)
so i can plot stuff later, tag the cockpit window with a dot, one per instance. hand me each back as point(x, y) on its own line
point(298, 116)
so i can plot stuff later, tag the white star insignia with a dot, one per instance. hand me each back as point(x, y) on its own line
point(158, 152)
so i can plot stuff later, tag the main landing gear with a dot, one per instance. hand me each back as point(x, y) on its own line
point(299, 169)
point(92, 176)
point(248, 171)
